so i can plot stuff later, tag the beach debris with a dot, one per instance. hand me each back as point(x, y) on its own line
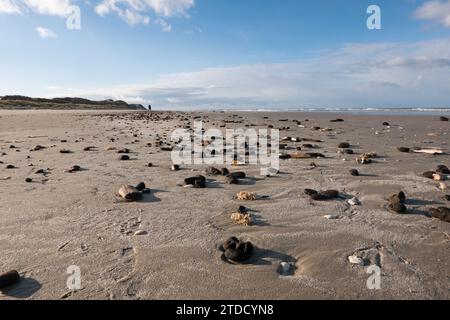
point(404, 149)
point(441, 213)
point(324, 195)
point(445, 119)
point(197, 181)
point(38, 147)
point(240, 218)
point(28, 180)
point(433, 151)
point(74, 168)
point(213, 171)
point(366, 158)
point(8, 279)
point(285, 156)
point(331, 217)
point(354, 202)
point(236, 251)
point(440, 177)
point(354, 172)
point(5, 178)
point(246, 196)
point(305, 155)
point(356, 260)
point(130, 193)
point(344, 145)
point(124, 150)
point(442, 169)
point(10, 166)
point(428, 174)
point(386, 124)
point(140, 233)
point(397, 198)
point(285, 268)
point(65, 151)
point(397, 207)
point(310, 192)
point(175, 167)
point(397, 203)
point(124, 157)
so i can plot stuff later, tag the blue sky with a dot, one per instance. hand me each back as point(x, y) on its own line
point(229, 53)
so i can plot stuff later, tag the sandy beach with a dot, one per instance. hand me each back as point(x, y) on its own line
point(166, 245)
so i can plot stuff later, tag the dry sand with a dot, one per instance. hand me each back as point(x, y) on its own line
point(65, 219)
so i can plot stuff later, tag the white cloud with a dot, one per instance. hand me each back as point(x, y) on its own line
point(435, 10)
point(138, 11)
point(59, 8)
point(46, 33)
point(355, 75)
point(9, 7)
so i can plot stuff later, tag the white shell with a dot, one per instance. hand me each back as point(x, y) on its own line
point(140, 233)
point(354, 202)
point(356, 260)
point(331, 217)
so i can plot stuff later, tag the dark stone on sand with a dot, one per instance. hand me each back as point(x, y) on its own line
point(8, 279)
point(404, 149)
point(197, 182)
point(307, 145)
point(347, 151)
point(149, 164)
point(40, 171)
point(140, 186)
point(124, 157)
point(89, 148)
point(441, 213)
point(386, 124)
point(337, 120)
point(344, 145)
point(28, 180)
point(315, 155)
point(124, 150)
point(236, 250)
point(397, 198)
point(10, 166)
point(397, 207)
point(310, 192)
point(428, 174)
point(325, 195)
point(354, 172)
point(444, 119)
point(75, 169)
point(38, 147)
point(213, 171)
point(225, 172)
point(442, 169)
point(166, 149)
point(232, 180)
point(242, 209)
point(285, 156)
point(65, 151)
point(175, 167)
point(238, 175)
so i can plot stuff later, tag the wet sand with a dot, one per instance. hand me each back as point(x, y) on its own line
point(62, 219)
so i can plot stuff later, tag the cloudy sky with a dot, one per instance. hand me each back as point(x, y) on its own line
point(229, 53)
